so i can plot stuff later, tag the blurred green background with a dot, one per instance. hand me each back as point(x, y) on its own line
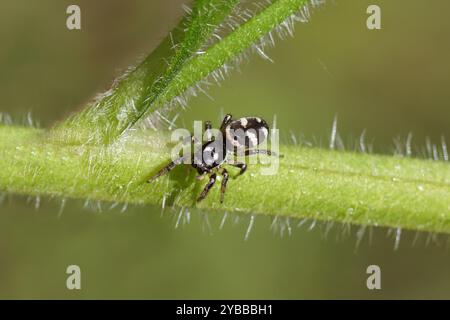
point(388, 82)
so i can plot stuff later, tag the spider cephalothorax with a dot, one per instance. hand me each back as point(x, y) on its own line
point(238, 138)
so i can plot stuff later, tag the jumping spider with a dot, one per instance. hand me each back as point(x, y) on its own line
point(240, 139)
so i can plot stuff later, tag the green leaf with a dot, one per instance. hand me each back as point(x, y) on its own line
point(134, 94)
point(176, 65)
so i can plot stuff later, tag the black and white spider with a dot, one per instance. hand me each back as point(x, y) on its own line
point(239, 138)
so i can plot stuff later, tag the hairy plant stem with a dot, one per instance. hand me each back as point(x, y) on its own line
point(311, 183)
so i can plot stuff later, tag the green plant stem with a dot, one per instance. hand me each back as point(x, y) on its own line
point(312, 183)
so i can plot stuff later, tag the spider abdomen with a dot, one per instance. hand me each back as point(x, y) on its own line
point(246, 133)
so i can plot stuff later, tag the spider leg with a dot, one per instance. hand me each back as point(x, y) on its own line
point(212, 180)
point(239, 165)
point(225, 122)
point(224, 185)
point(253, 152)
point(167, 168)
